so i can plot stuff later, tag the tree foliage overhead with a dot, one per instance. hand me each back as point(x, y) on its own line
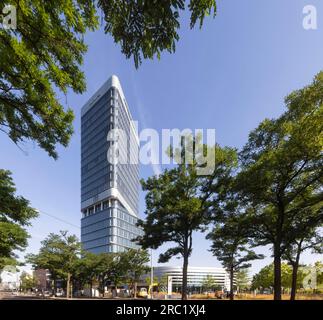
point(40, 59)
point(15, 216)
point(43, 54)
point(146, 28)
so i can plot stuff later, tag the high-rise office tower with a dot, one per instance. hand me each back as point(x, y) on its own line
point(109, 189)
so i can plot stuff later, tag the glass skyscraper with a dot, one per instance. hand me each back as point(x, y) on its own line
point(109, 190)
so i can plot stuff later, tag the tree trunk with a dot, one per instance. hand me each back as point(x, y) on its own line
point(101, 286)
point(55, 286)
point(277, 273)
point(185, 266)
point(294, 276)
point(91, 288)
point(68, 285)
point(231, 283)
point(135, 293)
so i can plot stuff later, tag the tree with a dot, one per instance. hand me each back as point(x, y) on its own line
point(209, 282)
point(27, 282)
point(231, 232)
point(162, 282)
point(242, 279)
point(137, 266)
point(112, 267)
point(120, 269)
point(59, 253)
point(173, 211)
point(104, 270)
point(41, 56)
point(177, 200)
point(147, 28)
point(319, 273)
point(282, 170)
point(264, 279)
point(308, 240)
point(87, 268)
point(15, 215)
point(230, 239)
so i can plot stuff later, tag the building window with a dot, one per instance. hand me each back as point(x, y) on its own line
point(105, 205)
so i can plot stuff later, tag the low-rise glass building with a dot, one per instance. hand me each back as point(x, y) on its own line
point(196, 276)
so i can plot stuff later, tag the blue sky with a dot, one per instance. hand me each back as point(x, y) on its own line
point(228, 76)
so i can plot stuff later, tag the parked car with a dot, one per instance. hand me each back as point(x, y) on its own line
point(143, 293)
point(47, 294)
point(59, 294)
point(266, 292)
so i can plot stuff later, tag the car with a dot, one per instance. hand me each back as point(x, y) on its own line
point(143, 293)
point(59, 294)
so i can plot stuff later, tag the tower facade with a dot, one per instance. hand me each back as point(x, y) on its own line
point(109, 188)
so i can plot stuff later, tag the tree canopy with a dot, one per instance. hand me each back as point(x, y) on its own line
point(38, 60)
point(59, 253)
point(145, 29)
point(242, 279)
point(174, 211)
point(27, 282)
point(231, 241)
point(15, 215)
point(137, 261)
point(264, 279)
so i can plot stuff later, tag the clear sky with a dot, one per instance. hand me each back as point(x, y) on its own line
point(229, 76)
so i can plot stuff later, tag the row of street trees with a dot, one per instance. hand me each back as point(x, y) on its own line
point(63, 256)
point(269, 193)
